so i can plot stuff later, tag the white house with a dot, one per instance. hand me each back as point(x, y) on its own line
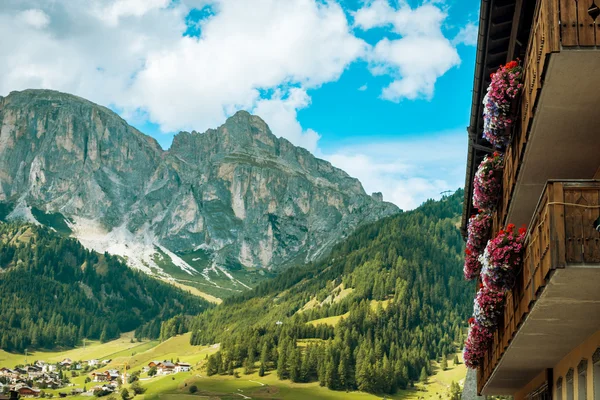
point(93, 363)
point(47, 368)
point(165, 368)
point(182, 367)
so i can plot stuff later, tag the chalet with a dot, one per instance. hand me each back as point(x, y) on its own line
point(47, 368)
point(92, 363)
point(113, 374)
point(34, 371)
point(67, 362)
point(182, 367)
point(165, 367)
point(545, 343)
point(153, 364)
point(107, 361)
point(26, 391)
point(100, 376)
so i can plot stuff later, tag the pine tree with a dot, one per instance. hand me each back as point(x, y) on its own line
point(423, 376)
point(282, 362)
point(211, 365)
point(444, 364)
point(455, 361)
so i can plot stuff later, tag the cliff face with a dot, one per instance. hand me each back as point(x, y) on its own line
point(237, 192)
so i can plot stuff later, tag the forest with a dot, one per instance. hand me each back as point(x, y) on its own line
point(56, 293)
point(405, 303)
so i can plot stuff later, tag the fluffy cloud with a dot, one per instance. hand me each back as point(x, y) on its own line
point(298, 42)
point(280, 113)
point(410, 171)
point(34, 17)
point(419, 57)
point(467, 35)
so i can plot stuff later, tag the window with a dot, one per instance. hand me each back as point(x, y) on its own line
point(559, 388)
point(582, 380)
point(541, 393)
point(570, 387)
point(596, 373)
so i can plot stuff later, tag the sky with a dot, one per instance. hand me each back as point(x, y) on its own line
point(380, 88)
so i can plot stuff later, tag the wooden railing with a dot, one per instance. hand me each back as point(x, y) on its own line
point(561, 233)
point(557, 25)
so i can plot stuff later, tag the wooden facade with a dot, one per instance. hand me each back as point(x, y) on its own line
point(557, 25)
point(561, 234)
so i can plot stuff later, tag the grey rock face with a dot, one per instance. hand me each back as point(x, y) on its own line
point(238, 191)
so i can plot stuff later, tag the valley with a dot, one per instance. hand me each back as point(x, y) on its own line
point(176, 386)
point(267, 271)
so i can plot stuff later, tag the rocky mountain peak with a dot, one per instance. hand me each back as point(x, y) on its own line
point(240, 194)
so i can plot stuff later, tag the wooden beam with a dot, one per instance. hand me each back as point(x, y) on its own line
point(514, 33)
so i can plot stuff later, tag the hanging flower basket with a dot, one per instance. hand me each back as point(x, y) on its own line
point(472, 267)
point(488, 183)
point(498, 112)
point(478, 341)
point(488, 307)
point(478, 231)
point(502, 259)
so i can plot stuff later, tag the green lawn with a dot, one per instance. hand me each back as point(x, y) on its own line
point(333, 321)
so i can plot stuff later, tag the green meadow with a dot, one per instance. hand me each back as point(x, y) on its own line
point(136, 355)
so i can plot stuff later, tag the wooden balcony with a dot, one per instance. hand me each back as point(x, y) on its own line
point(556, 133)
point(556, 302)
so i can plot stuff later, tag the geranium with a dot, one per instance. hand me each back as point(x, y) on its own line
point(487, 182)
point(488, 307)
point(502, 259)
point(503, 89)
point(472, 267)
point(477, 343)
point(478, 231)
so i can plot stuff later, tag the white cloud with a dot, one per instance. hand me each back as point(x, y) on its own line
point(35, 18)
point(363, 88)
point(280, 113)
point(113, 10)
point(418, 58)
point(467, 35)
point(407, 171)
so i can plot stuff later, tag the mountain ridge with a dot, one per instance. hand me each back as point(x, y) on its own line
point(228, 199)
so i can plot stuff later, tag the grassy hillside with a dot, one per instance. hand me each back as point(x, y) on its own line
point(388, 299)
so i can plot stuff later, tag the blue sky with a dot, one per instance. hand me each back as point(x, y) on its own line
point(379, 88)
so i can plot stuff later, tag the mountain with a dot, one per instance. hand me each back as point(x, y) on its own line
point(56, 293)
point(219, 209)
point(370, 316)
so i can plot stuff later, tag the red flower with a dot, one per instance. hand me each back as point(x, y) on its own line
point(471, 320)
point(522, 230)
point(468, 252)
point(510, 227)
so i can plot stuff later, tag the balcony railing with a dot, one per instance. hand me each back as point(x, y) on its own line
point(561, 234)
point(557, 25)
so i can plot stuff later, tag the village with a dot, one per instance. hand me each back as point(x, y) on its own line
point(34, 380)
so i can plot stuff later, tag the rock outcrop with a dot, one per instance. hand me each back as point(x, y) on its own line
point(238, 192)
